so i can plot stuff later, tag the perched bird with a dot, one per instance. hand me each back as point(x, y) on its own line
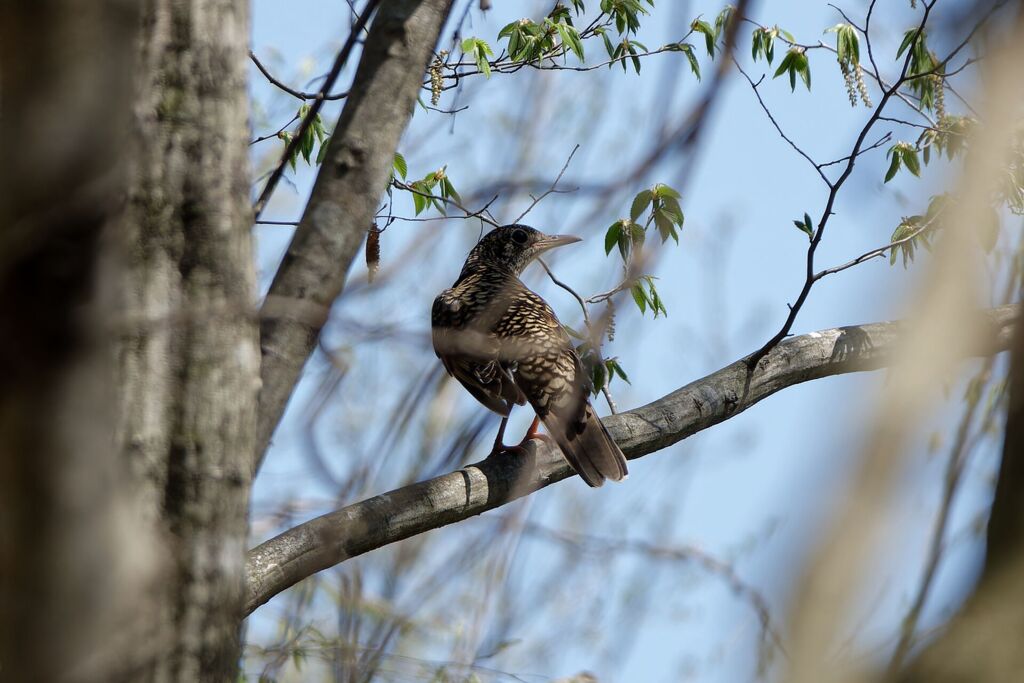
point(506, 347)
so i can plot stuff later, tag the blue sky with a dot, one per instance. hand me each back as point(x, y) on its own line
point(754, 490)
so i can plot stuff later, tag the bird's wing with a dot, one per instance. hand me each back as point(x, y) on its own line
point(551, 375)
point(472, 356)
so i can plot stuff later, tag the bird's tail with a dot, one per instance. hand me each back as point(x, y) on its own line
point(591, 450)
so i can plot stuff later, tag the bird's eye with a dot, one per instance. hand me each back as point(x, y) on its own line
point(519, 236)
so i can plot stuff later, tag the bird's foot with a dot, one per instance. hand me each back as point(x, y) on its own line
point(520, 448)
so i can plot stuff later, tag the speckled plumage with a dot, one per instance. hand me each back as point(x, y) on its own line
point(505, 345)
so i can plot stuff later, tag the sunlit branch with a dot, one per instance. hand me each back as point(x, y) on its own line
point(373, 523)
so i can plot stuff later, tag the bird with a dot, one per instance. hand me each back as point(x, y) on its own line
point(505, 345)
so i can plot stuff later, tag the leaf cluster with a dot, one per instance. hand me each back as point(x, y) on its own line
point(529, 41)
point(478, 50)
point(847, 44)
point(922, 69)
point(806, 226)
point(432, 190)
point(661, 202)
point(313, 136)
point(795, 63)
point(645, 295)
point(712, 34)
point(762, 42)
point(949, 136)
point(919, 229)
point(902, 154)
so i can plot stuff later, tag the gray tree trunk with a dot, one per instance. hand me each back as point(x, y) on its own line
point(188, 358)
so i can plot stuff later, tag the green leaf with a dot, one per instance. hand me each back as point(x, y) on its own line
point(640, 204)
point(785, 65)
point(762, 43)
point(806, 226)
point(665, 226)
point(637, 235)
point(625, 239)
point(908, 39)
point(639, 296)
point(322, 153)
point(803, 67)
point(675, 212)
point(894, 165)
point(701, 26)
point(611, 238)
point(614, 367)
point(419, 203)
point(687, 49)
point(662, 190)
point(723, 19)
point(400, 165)
point(598, 374)
point(910, 160)
point(633, 56)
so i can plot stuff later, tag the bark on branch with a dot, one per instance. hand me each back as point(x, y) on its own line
point(344, 197)
point(335, 537)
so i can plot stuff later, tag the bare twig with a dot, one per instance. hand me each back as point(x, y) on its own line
point(482, 213)
point(827, 212)
point(298, 94)
point(552, 189)
point(778, 128)
point(314, 108)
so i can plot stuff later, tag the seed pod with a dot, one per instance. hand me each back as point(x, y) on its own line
point(372, 253)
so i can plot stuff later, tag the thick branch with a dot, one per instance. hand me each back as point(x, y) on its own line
point(345, 195)
point(335, 537)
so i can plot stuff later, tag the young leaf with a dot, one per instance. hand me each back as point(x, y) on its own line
point(692, 58)
point(400, 165)
point(614, 367)
point(723, 19)
point(894, 165)
point(701, 26)
point(662, 190)
point(639, 297)
point(611, 238)
point(640, 204)
point(322, 153)
point(806, 226)
point(910, 160)
point(598, 375)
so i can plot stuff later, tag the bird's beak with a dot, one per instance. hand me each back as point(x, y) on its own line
point(552, 241)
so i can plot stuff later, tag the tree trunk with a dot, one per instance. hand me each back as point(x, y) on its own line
point(188, 361)
point(70, 584)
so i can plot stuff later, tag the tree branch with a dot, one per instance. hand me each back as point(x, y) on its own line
point(344, 197)
point(335, 537)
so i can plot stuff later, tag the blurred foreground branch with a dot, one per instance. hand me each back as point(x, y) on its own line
point(335, 537)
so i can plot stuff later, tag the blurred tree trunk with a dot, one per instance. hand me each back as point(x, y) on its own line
point(982, 643)
point(124, 227)
point(188, 357)
point(75, 559)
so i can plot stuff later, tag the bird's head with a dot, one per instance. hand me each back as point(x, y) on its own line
point(512, 247)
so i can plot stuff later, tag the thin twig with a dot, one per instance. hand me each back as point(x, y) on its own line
point(753, 86)
point(827, 212)
point(275, 134)
point(298, 94)
point(314, 109)
point(553, 188)
point(875, 253)
point(482, 213)
point(881, 141)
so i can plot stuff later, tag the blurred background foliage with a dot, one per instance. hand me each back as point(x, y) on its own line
point(699, 186)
